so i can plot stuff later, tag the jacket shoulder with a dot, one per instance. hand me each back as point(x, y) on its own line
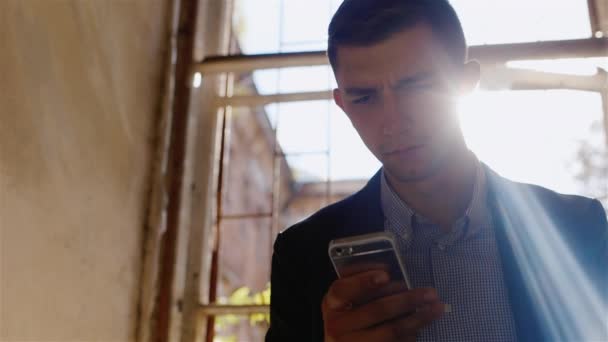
point(574, 207)
point(535, 199)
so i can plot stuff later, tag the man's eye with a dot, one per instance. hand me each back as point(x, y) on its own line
point(422, 86)
point(362, 100)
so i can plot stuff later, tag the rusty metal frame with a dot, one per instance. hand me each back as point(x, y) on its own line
point(156, 220)
point(172, 262)
point(175, 167)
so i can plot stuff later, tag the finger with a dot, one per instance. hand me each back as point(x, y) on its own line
point(389, 289)
point(399, 329)
point(383, 309)
point(348, 290)
point(418, 320)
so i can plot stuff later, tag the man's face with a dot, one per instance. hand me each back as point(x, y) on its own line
point(399, 95)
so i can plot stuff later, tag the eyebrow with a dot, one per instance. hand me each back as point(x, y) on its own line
point(421, 76)
point(360, 91)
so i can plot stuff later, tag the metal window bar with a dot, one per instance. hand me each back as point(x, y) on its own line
point(276, 171)
point(492, 78)
point(485, 54)
point(226, 120)
point(218, 309)
point(209, 311)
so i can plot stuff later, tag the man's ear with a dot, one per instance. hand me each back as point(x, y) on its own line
point(471, 75)
point(338, 99)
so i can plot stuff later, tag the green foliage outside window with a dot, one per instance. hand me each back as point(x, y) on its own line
point(241, 296)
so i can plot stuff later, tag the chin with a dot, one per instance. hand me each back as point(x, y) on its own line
point(411, 172)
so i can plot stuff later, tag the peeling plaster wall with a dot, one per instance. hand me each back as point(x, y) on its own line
point(80, 90)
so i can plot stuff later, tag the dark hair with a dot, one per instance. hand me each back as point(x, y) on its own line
point(364, 22)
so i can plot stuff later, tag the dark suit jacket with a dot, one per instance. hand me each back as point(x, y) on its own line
point(527, 219)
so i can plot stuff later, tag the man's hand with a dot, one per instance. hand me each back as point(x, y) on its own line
point(352, 310)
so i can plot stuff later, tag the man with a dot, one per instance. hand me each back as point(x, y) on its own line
point(514, 261)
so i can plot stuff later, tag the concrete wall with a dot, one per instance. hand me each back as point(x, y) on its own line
point(80, 90)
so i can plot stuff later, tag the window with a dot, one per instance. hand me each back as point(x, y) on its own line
point(541, 121)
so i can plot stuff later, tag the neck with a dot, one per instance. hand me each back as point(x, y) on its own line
point(444, 196)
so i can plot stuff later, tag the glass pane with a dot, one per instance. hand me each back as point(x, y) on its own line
point(317, 45)
point(302, 127)
point(514, 21)
point(309, 168)
point(244, 274)
point(298, 16)
point(573, 66)
point(309, 198)
point(270, 26)
point(256, 25)
point(306, 79)
point(292, 80)
point(293, 25)
point(245, 251)
point(350, 158)
point(248, 178)
point(539, 137)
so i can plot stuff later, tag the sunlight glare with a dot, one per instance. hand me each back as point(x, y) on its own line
point(571, 307)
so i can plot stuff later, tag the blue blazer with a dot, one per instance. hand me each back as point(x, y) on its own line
point(540, 234)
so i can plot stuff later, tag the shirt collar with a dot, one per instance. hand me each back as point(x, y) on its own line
point(402, 219)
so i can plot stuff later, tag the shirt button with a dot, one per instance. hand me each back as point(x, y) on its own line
point(441, 247)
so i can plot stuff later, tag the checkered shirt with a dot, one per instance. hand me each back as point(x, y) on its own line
point(462, 264)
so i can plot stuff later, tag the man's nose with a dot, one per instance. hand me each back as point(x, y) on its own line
point(395, 118)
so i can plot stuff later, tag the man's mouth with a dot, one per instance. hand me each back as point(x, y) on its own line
point(403, 150)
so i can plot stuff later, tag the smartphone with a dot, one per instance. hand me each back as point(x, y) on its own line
point(368, 252)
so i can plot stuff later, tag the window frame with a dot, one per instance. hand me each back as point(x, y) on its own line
point(183, 215)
